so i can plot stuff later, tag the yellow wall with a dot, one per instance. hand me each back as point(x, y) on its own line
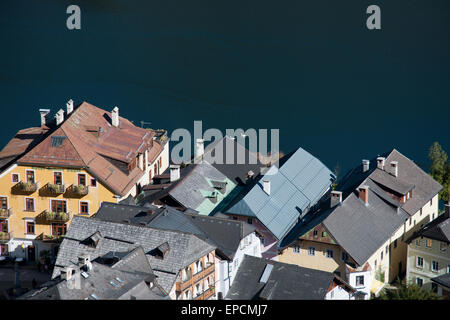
point(16, 222)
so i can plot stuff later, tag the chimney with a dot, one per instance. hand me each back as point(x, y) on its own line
point(380, 162)
point(69, 106)
point(266, 186)
point(364, 194)
point(335, 198)
point(174, 172)
point(141, 161)
point(115, 117)
point(44, 116)
point(67, 273)
point(365, 165)
point(394, 168)
point(59, 117)
point(85, 262)
point(199, 148)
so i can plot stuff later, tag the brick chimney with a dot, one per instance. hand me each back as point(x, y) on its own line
point(394, 168)
point(69, 106)
point(364, 194)
point(115, 117)
point(44, 116)
point(380, 162)
point(59, 117)
point(365, 165)
point(335, 198)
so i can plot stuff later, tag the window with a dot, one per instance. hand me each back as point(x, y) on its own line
point(429, 243)
point(29, 204)
point(395, 243)
point(30, 176)
point(57, 177)
point(420, 211)
point(262, 240)
point(448, 268)
point(59, 206)
point(84, 207)
point(3, 203)
point(296, 249)
point(410, 220)
point(431, 202)
point(15, 177)
point(418, 242)
point(375, 263)
point(81, 179)
point(344, 256)
point(324, 234)
point(381, 256)
point(250, 220)
point(4, 251)
point(94, 182)
point(419, 281)
point(434, 287)
point(432, 216)
point(329, 253)
point(443, 246)
point(30, 227)
point(434, 266)
point(59, 229)
point(419, 262)
point(315, 233)
point(234, 218)
point(4, 226)
point(387, 249)
point(359, 281)
point(311, 251)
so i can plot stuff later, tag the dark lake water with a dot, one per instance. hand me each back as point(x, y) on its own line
point(310, 68)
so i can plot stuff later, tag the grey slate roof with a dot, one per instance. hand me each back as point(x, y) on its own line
point(297, 185)
point(126, 282)
point(119, 237)
point(437, 229)
point(285, 281)
point(443, 280)
point(220, 231)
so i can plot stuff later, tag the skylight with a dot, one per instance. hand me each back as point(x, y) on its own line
point(115, 285)
point(57, 141)
point(119, 280)
point(94, 296)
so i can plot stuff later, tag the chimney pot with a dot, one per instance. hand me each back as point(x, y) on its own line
point(380, 162)
point(44, 116)
point(366, 165)
point(394, 168)
point(115, 117)
point(266, 186)
point(199, 148)
point(69, 106)
point(336, 198)
point(364, 194)
point(59, 117)
point(174, 172)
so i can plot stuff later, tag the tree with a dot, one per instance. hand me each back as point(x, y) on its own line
point(408, 292)
point(440, 169)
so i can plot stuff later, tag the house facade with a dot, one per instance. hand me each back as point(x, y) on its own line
point(68, 167)
point(429, 253)
point(360, 234)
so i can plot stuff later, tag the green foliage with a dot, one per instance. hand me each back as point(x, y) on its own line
point(408, 292)
point(440, 169)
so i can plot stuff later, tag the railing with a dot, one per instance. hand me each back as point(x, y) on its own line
point(28, 186)
point(56, 188)
point(80, 190)
point(49, 238)
point(206, 294)
point(5, 236)
point(5, 213)
point(57, 216)
point(190, 280)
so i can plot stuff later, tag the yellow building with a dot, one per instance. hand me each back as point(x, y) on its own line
point(68, 167)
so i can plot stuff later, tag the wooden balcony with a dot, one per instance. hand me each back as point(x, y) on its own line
point(192, 279)
point(27, 186)
point(57, 216)
point(79, 190)
point(5, 213)
point(49, 238)
point(206, 294)
point(56, 188)
point(5, 236)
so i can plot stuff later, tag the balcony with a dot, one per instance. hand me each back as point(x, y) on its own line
point(57, 216)
point(5, 213)
point(206, 294)
point(27, 186)
point(79, 190)
point(191, 279)
point(49, 238)
point(5, 236)
point(56, 188)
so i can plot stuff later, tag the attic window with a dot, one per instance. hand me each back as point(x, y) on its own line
point(57, 141)
point(162, 250)
point(221, 186)
point(93, 240)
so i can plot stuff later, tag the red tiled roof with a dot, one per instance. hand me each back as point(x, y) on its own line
point(91, 138)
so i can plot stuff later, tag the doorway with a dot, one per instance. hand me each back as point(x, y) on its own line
point(31, 254)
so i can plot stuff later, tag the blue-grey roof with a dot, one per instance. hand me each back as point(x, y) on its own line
point(295, 187)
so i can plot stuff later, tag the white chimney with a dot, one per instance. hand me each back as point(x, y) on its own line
point(380, 162)
point(69, 106)
point(141, 161)
point(266, 186)
point(336, 198)
point(366, 165)
point(115, 117)
point(59, 117)
point(44, 116)
point(85, 261)
point(174, 172)
point(394, 168)
point(199, 148)
point(67, 273)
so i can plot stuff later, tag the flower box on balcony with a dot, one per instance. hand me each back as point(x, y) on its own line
point(57, 216)
point(5, 213)
point(5, 236)
point(28, 186)
point(56, 188)
point(80, 190)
